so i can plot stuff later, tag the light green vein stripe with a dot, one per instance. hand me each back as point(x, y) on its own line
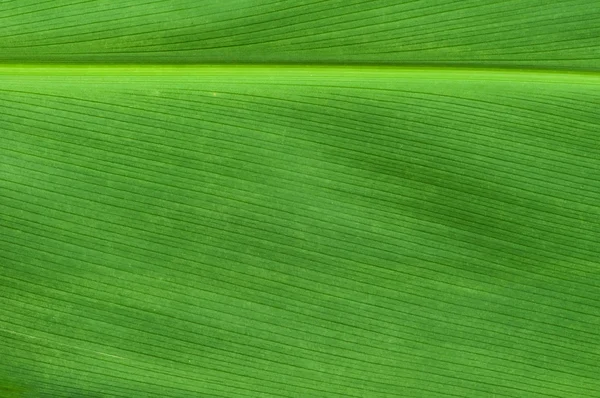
point(309, 71)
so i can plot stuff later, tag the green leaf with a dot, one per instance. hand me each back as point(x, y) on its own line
point(299, 199)
point(555, 34)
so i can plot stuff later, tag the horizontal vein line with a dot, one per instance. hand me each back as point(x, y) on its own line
point(308, 69)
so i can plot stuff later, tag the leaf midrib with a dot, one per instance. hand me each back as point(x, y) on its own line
point(280, 71)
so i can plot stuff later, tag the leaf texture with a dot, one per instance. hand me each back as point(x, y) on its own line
point(557, 34)
point(175, 228)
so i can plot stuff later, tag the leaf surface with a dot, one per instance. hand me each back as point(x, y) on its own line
point(535, 33)
point(401, 200)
